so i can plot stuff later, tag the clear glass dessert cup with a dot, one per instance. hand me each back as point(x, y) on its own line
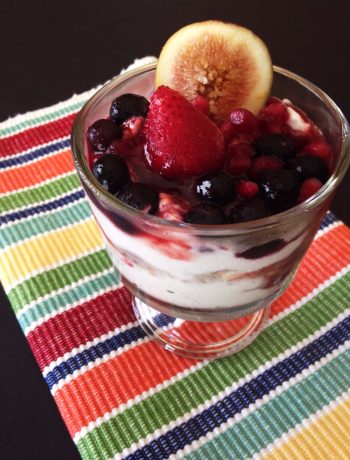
point(204, 290)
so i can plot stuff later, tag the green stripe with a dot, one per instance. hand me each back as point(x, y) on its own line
point(40, 193)
point(41, 119)
point(58, 278)
point(73, 295)
point(279, 415)
point(38, 224)
point(179, 398)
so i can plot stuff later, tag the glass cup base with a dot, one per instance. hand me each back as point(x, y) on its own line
point(200, 340)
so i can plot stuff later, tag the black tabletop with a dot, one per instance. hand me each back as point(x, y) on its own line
point(50, 50)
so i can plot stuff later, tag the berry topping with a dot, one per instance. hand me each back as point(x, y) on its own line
point(263, 164)
point(307, 166)
point(128, 105)
point(132, 127)
point(216, 188)
point(247, 189)
point(102, 133)
point(238, 165)
point(280, 188)
point(139, 196)
point(201, 103)
point(242, 149)
point(274, 116)
point(244, 122)
point(206, 214)
point(111, 172)
point(318, 149)
point(308, 188)
point(279, 145)
point(227, 129)
point(172, 207)
point(252, 210)
point(181, 141)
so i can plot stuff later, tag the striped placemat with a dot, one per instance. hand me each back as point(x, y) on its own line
point(122, 396)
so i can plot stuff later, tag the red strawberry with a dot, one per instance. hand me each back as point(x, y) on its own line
point(181, 141)
point(201, 103)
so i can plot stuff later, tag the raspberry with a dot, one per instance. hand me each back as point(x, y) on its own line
point(227, 130)
point(242, 149)
point(318, 149)
point(247, 189)
point(308, 188)
point(263, 164)
point(201, 103)
point(274, 116)
point(238, 165)
point(244, 122)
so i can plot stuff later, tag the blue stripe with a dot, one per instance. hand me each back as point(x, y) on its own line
point(219, 413)
point(328, 219)
point(98, 351)
point(34, 154)
point(37, 209)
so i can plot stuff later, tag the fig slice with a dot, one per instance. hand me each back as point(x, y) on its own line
point(223, 62)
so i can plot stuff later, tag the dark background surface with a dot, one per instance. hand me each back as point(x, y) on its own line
point(50, 50)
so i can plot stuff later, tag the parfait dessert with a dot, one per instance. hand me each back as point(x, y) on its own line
point(207, 175)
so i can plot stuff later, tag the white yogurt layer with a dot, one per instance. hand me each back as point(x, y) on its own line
point(207, 280)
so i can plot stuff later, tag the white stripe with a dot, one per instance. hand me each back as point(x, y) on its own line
point(300, 427)
point(286, 385)
point(70, 306)
point(285, 312)
point(33, 149)
point(327, 229)
point(90, 343)
point(38, 184)
point(64, 290)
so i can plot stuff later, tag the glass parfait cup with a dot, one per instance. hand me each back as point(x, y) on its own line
point(204, 291)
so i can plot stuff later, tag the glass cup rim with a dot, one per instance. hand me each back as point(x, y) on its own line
point(85, 174)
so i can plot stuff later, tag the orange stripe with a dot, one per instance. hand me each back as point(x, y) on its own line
point(36, 172)
point(115, 382)
point(127, 375)
point(329, 253)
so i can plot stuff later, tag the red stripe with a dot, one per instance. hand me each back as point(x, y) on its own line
point(35, 136)
point(79, 325)
point(34, 173)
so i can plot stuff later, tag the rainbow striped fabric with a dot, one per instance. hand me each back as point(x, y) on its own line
point(121, 396)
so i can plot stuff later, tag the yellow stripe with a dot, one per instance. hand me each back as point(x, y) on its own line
point(328, 437)
point(47, 250)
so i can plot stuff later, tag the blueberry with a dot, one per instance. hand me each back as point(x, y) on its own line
point(280, 145)
point(127, 106)
point(111, 172)
point(102, 133)
point(206, 214)
point(139, 196)
point(307, 166)
point(252, 210)
point(216, 188)
point(280, 188)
